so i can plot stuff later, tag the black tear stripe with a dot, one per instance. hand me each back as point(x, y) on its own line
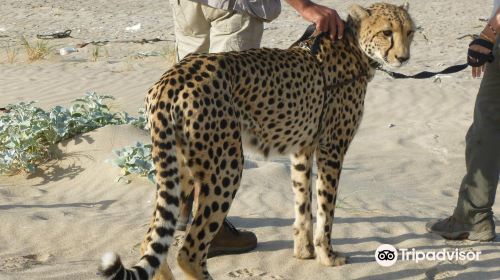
point(389, 49)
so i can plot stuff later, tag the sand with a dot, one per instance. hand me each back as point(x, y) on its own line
point(403, 168)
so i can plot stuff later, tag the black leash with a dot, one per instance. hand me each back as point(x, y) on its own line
point(422, 75)
point(481, 59)
point(425, 74)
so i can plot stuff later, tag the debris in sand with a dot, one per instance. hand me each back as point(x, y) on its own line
point(470, 36)
point(133, 28)
point(55, 35)
point(105, 42)
point(391, 125)
point(148, 53)
point(67, 50)
point(420, 30)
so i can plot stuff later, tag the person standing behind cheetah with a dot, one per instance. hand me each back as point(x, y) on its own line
point(203, 26)
point(473, 215)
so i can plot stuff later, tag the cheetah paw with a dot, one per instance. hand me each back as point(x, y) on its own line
point(303, 252)
point(331, 258)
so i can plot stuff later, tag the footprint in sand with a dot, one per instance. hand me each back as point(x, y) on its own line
point(449, 193)
point(253, 273)
point(40, 216)
point(435, 274)
point(444, 270)
point(22, 262)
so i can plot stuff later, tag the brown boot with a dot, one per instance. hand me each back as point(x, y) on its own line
point(229, 241)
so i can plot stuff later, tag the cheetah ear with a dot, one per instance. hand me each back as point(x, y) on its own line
point(358, 13)
point(406, 6)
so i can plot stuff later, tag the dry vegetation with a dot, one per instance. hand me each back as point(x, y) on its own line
point(168, 53)
point(11, 54)
point(36, 51)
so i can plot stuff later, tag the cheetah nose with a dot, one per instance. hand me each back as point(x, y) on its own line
point(402, 59)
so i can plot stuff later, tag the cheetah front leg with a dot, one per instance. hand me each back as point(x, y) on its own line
point(302, 228)
point(329, 162)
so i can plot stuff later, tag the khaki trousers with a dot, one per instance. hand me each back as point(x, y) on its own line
point(482, 153)
point(202, 29)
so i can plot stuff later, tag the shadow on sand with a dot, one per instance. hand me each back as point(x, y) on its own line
point(62, 165)
point(101, 205)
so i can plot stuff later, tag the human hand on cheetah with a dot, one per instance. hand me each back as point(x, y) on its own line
point(326, 19)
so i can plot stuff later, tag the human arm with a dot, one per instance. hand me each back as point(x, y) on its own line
point(326, 19)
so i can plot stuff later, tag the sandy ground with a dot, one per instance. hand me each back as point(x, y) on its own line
point(403, 168)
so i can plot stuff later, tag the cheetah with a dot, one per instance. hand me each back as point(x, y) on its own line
point(207, 107)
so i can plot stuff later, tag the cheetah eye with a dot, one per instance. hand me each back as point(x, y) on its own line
point(387, 33)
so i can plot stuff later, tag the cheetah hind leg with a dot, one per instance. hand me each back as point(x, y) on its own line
point(164, 272)
point(215, 185)
point(186, 182)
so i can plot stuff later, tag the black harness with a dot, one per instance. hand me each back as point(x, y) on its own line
point(313, 48)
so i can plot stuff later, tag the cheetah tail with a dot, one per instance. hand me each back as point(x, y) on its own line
point(166, 211)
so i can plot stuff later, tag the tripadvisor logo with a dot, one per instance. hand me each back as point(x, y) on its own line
point(387, 255)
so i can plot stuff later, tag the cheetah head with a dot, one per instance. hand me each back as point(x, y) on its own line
point(384, 32)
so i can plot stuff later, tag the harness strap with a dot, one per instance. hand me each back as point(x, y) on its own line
point(319, 131)
point(310, 30)
point(307, 34)
point(313, 50)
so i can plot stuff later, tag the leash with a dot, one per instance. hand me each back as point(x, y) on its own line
point(480, 59)
point(314, 47)
point(424, 74)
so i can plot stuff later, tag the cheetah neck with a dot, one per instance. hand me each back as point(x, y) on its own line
point(344, 60)
point(353, 30)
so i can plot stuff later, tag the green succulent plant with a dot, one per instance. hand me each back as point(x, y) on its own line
point(27, 132)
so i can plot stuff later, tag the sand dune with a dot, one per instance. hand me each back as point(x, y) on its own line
point(403, 168)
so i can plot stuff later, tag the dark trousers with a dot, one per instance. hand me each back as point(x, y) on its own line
point(482, 153)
